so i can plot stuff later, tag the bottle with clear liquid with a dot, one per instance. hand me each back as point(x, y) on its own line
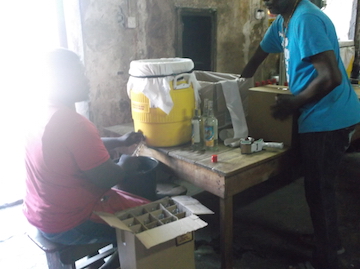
point(205, 110)
point(211, 129)
point(197, 138)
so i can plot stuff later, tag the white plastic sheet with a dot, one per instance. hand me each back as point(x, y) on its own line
point(152, 77)
point(235, 107)
point(235, 92)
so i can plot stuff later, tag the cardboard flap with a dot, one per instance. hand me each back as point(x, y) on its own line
point(170, 231)
point(191, 204)
point(113, 221)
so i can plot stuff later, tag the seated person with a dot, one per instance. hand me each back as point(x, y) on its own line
point(69, 172)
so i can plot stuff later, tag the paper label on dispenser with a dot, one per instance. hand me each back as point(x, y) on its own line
point(140, 107)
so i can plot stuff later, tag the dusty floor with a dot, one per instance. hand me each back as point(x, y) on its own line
point(266, 232)
point(268, 220)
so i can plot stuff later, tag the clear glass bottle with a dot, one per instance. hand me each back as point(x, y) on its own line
point(197, 138)
point(205, 110)
point(211, 129)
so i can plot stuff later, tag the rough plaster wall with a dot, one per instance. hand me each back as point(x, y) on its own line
point(160, 29)
point(104, 36)
point(356, 65)
point(110, 45)
point(238, 34)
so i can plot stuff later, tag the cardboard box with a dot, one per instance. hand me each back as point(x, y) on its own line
point(260, 122)
point(212, 87)
point(158, 235)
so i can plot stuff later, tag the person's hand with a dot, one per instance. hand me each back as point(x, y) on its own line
point(132, 138)
point(285, 105)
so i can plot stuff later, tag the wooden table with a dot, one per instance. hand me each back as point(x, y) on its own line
point(232, 174)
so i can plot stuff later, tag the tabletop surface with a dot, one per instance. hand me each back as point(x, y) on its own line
point(230, 160)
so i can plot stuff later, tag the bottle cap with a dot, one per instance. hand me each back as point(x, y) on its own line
point(214, 158)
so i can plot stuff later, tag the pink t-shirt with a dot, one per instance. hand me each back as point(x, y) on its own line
point(59, 196)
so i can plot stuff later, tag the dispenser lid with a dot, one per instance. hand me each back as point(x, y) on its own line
point(160, 67)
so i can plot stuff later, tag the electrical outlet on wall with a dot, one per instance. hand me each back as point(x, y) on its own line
point(259, 14)
point(254, 6)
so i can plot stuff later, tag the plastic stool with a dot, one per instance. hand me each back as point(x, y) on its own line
point(60, 256)
point(165, 183)
point(164, 189)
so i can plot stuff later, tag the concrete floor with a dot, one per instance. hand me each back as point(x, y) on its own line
point(268, 219)
point(267, 229)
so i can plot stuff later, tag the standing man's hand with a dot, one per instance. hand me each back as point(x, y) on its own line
point(285, 105)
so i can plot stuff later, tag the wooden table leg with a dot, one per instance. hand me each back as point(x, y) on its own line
point(226, 232)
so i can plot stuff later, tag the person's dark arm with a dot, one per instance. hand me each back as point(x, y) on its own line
point(328, 78)
point(106, 175)
point(255, 61)
point(125, 140)
point(110, 173)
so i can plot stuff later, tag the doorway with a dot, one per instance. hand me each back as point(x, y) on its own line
point(196, 37)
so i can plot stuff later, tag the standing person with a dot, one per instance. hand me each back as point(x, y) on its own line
point(68, 167)
point(328, 109)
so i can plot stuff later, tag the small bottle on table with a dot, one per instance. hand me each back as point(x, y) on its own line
point(197, 137)
point(211, 129)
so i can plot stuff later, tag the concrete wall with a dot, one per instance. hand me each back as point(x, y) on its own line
point(116, 32)
point(356, 67)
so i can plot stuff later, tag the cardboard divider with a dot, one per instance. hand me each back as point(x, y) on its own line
point(181, 215)
point(153, 224)
point(159, 214)
point(168, 220)
point(131, 222)
point(139, 211)
point(152, 215)
point(124, 216)
point(138, 228)
point(173, 209)
point(146, 218)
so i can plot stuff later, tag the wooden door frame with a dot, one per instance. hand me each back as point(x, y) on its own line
point(209, 12)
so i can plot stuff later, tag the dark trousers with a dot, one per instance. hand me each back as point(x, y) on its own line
point(89, 232)
point(321, 156)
